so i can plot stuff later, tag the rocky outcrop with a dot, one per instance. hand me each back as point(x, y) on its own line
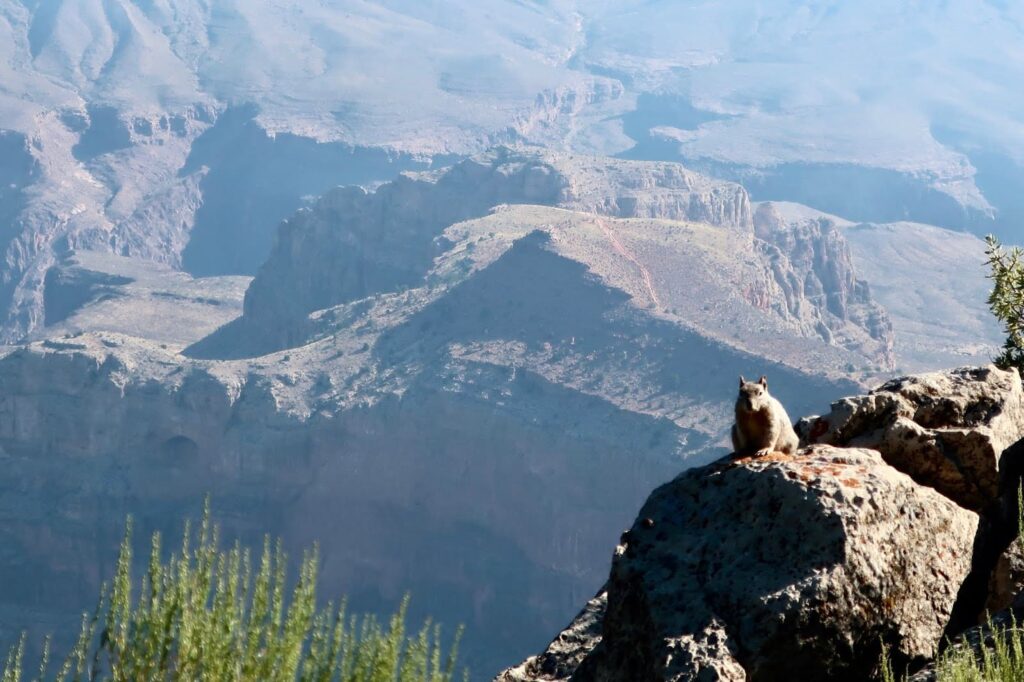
point(646, 189)
point(947, 430)
point(572, 646)
point(812, 265)
point(769, 569)
point(958, 432)
point(353, 244)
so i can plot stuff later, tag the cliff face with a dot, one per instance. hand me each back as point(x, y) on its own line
point(353, 244)
point(631, 189)
point(762, 569)
point(812, 265)
point(404, 492)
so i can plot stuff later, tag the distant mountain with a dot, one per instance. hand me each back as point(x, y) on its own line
point(182, 131)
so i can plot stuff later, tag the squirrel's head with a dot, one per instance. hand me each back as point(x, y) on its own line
point(753, 394)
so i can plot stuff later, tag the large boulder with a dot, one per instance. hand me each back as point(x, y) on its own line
point(783, 567)
point(947, 430)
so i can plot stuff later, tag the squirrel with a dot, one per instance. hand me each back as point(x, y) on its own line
point(762, 425)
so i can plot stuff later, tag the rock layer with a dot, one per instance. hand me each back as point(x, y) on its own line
point(354, 244)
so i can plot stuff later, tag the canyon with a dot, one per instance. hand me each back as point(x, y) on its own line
point(449, 290)
point(543, 332)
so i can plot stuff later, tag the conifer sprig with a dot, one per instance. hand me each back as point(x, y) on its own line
point(1006, 300)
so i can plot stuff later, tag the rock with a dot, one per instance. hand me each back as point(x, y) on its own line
point(783, 567)
point(352, 244)
point(1007, 578)
point(651, 189)
point(959, 432)
point(947, 430)
point(564, 655)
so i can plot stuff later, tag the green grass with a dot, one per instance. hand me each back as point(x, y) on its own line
point(1002, 660)
point(212, 614)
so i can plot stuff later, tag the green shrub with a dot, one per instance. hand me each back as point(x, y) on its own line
point(1006, 301)
point(1003, 661)
point(210, 614)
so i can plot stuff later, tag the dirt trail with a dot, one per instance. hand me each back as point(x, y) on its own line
point(628, 255)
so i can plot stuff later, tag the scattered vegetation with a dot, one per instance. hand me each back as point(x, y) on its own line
point(1006, 301)
point(211, 614)
point(999, 659)
point(1002, 660)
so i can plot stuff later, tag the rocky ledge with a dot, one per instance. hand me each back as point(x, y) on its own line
point(893, 525)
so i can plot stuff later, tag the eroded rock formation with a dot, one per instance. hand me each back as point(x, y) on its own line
point(812, 265)
point(353, 244)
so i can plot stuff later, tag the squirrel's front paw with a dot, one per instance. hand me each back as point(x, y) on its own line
point(763, 452)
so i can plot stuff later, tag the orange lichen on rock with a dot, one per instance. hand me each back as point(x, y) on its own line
point(775, 456)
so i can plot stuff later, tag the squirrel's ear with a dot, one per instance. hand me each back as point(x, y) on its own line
point(763, 381)
point(742, 381)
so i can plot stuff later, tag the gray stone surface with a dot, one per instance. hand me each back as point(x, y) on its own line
point(570, 648)
point(946, 429)
point(1007, 579)
point(773, 568)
